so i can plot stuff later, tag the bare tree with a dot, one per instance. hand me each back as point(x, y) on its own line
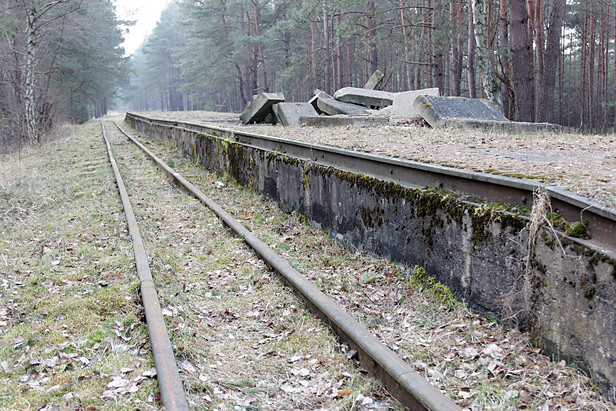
point(36, 19)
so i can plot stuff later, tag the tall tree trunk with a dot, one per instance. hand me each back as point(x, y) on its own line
point(312, 59)
point(591, 68)
point(470, 59)
point(29, 80)
point(550, 62)
point(456, 48)
point(371, 36)
point(438, 54)
point(522, 62)
point(407, 41)
point(327, 49)
point(491, 84)
point(503, 23)
point(583, 81)
point(339, 54)
point(537, 25)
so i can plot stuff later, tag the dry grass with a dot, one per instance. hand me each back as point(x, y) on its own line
point(69, 315)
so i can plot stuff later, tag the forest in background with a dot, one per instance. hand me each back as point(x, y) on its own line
point(543, 60)
point(59, 60)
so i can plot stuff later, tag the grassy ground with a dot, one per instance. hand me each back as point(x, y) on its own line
point(72, 332)
point(71, 329)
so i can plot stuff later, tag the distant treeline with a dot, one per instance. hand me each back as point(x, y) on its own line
point(60, 59)
point(546, 60)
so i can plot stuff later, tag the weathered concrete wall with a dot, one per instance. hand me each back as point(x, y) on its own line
point(478, 252)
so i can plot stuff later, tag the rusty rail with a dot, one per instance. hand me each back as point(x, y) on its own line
point(400, 379)
point(171, 390)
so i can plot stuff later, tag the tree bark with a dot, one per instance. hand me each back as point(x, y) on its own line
point(522, 62)
point(550, 62)
point(327, 49)
point(491, 84)
point(504, 44)
point(456, 48)
point(371, 36)
point(470, 59)
point(29, 81)
point(407, 41)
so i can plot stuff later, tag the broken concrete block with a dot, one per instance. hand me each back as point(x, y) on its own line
point(324, 103)
point(366, 98)
point(333, 107)
point(374, 80)
point(472, 113)
point(403, 107)
point(343, 121)
point(436, 110)
point(259, 107)
point(288, 114)
point(318, 94)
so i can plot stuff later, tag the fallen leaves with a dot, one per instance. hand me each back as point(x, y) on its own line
point(125, 382)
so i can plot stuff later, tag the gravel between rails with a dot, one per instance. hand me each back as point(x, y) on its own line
point(479, 363)
point(242, 339)
point(583, 164)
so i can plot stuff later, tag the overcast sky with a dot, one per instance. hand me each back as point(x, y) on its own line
point(145, 12)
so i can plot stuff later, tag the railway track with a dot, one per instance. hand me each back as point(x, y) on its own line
point(239, 276)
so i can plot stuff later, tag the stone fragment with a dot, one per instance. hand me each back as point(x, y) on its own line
point(259, 107)
point(288, 114)
point(324, 103)
point(366, 98)
point(436, 110)
point(374, 80)
point(343, 121)
point(403, 107)
point(317, 95)
point(471, 113)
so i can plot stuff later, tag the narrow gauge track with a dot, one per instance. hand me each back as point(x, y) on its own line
point(600, 218)
point(399, 378)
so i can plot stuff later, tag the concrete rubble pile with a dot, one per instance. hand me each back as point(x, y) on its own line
point(349, 106)
point(368, 107)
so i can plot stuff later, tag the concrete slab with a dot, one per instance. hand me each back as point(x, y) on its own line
point(437, 109)
point(402, 107)
point(366, 98)
point(324, 103)
point(259, 107)
point(374, 80)
point(318, 94)
point(472, 113)
point(288, 114)
point(343, 121)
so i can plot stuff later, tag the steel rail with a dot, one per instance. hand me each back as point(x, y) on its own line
point(600, 218)
point(402, 381)
point(171, 390)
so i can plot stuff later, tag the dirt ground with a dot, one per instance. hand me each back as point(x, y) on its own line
point(582, 164)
